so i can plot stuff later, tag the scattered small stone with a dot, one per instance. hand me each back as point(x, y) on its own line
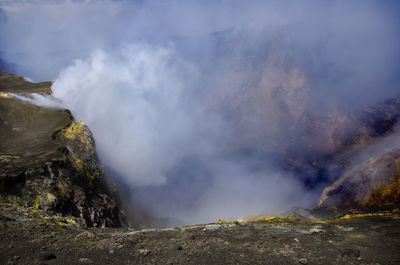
point(344, 228)
point(315, 230)
point(111, 251)
point(86, 234)
point(211, 227)
point(16, 257)
point(47, 256)
point(303, 261)
point(351, 252)
point(85, 260)
point(144, 251)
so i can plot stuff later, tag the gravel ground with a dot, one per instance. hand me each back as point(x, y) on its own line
point(30, 238)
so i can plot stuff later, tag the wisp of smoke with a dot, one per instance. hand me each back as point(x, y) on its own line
point(40, 100)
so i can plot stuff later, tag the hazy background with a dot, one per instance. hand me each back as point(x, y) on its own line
point(193, 103)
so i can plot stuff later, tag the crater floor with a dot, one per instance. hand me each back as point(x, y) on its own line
point(29, 237)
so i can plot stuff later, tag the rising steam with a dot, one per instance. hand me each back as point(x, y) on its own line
point(193, 103)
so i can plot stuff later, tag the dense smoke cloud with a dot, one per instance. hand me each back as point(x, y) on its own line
point(133, 103)
point(192, 103)
point(151, 132)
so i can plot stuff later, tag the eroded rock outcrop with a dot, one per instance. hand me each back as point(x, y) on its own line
point(48, 161)
point(373, 183)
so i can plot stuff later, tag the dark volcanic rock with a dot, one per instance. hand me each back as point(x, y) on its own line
point(48, 161)
point(373, 183)
point(47, 256)
point(351, 252)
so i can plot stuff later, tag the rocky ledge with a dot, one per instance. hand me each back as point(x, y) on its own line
point(48, 161)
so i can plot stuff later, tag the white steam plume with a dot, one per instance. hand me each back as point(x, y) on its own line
point(139, 107)
point(133, 105)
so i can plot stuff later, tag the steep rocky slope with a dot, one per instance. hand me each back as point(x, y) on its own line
point(48, 161)
point(267, 92)
point(373, 183)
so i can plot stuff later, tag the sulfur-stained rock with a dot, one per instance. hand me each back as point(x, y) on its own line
point(373, 183)
point(48, 161)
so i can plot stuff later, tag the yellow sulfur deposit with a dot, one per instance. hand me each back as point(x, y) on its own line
point(79, 132)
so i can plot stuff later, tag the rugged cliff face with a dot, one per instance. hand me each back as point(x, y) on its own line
point(269, 96)
point(370, 184)
point(48, 161)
